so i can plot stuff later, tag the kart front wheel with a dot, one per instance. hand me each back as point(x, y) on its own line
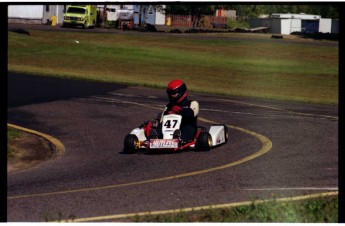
point(131, 143)
point(204, 142)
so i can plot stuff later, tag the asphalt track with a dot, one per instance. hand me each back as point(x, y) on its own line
point(276, 149)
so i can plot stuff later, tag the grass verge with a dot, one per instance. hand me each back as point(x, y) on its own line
point(317, 210)
point(208, 63)
point(12, 134)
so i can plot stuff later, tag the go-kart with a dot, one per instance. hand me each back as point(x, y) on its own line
point(166, 135)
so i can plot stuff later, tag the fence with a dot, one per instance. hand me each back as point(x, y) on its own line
point(181, 20)
point(218, 19)
point(188, 20)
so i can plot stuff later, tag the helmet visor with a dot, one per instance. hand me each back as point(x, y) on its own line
point(173, 92)
point(176, 94)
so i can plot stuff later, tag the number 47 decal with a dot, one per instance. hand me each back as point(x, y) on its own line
point(168, 123)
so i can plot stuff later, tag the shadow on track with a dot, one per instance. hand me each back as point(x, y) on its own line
point(26, 89)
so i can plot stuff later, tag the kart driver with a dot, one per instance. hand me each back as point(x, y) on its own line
point(179, 104)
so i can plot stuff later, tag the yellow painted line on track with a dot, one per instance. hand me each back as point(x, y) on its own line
point(266, 146)
point(192, 209)
point(58, 146)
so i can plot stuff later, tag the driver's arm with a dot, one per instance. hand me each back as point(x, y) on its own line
point(192, 111)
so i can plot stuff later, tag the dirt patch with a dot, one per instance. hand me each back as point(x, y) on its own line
point(29, 150)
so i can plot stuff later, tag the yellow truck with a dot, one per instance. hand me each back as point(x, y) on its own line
point(80, 15)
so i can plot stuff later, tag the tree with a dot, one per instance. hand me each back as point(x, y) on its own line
point(325, 11)
point(248, 11)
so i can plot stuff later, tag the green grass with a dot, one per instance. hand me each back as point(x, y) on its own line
point(319, 210)
point(235, 23)
point(243, 67)
point(12, 134)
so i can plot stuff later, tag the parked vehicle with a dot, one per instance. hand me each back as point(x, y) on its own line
point(80, 15)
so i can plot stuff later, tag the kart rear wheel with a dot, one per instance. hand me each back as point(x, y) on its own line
point(204, 142)
point(226, 133)
point(131, 143)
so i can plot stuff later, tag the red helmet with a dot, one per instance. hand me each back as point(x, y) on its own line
point(177, 91)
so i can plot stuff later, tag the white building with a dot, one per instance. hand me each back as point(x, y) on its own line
point(289, 23)
point(149, 14)
point(325, 25)
point(35, 14)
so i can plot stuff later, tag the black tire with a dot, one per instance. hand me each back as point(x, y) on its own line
point(131, 143)
point(204, 142)
point(226, 133)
